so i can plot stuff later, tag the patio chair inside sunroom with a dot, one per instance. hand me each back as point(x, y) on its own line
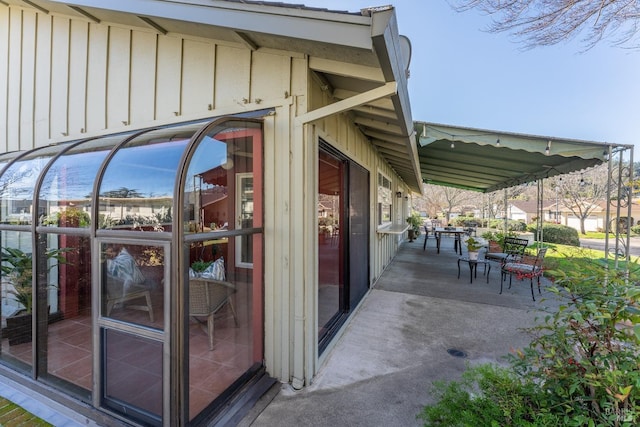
point(101, 239)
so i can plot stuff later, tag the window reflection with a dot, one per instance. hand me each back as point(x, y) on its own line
point(17, 185)
point(67, 187)
point(67, 280)
point(136, 191)
point(15, 287)
point(223, 192)
point(133, 283)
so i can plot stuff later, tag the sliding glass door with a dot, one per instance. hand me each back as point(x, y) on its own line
point(343, 242)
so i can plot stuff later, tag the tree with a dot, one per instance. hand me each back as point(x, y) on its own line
point(444, 199)
point(583, 192)
point(548, 22)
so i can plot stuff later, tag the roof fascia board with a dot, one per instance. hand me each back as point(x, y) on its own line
point(394, 65)
point(334, 28)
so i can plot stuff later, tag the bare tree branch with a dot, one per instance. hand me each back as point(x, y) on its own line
point(549, 22)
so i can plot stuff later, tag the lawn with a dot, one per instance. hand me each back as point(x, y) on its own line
point(570, 258)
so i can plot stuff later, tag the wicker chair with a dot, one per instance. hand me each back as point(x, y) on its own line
point(207, 297)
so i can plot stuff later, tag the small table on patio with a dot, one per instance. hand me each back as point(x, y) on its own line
point(457, 237)
point(473, 267)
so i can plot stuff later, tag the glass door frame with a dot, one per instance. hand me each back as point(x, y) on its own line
point(240, 178)
point(102, 323)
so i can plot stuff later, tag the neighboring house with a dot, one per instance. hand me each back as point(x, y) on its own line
point(522, 210)
point(595, 221)
point(148, 139)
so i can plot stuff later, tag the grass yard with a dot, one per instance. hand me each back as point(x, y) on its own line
point(570, 258)
point(14, 415)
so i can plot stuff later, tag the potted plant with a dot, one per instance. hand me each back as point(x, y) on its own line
point(415, 221)
point(17, 267)
point(496, 239)
point(200, 266)
point(473, 246)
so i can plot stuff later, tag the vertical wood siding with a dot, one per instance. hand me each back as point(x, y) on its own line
point(65, 77)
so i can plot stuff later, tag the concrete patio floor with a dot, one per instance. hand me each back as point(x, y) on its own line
point(380, 370)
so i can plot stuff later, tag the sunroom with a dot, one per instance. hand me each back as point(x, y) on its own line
point(142, 244)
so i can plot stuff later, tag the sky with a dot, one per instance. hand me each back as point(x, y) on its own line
point(463, 75)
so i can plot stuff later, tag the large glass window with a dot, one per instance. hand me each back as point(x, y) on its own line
point(17, 185)
point(66, 192)
point(133, 283)
point(66, 328)
point(223, 208)
point(17, 295)
point(52, 223)
point(136, 192)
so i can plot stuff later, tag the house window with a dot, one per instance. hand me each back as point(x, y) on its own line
point(384, 200)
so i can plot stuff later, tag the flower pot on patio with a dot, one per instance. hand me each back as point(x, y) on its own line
point(473, 255)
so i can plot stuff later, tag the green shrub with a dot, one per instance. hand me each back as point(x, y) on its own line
point(561, 234)
point(512, 225)
point(580, 369)
point(487, 395)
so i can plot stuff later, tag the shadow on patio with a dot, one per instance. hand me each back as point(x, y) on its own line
point(400, 339)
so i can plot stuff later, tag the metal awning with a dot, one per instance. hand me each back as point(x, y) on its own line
point(488, 160)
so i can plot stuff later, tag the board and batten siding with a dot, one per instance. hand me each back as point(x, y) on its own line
point(68, 78)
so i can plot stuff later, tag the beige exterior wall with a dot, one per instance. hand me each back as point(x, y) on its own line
point(70, 78)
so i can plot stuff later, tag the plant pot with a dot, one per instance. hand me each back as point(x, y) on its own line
point(18, 329)
point(412, 235)
point(473, 255)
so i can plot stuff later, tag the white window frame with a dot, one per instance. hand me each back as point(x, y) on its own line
point(384, 194)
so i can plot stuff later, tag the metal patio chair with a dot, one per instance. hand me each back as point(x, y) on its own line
point(527, 267)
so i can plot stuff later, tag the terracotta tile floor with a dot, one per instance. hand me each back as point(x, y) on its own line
point(211, 372)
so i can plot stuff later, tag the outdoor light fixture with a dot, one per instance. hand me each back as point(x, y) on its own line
point(399, 194)
point(548, 149)
point(605, 154)
point(498, 143)
point(453, 145)
point(582, 180)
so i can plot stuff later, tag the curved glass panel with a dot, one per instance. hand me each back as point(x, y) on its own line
point(136, 191)
point(219, 183)
point(65, 195)
point(223, 191)
point(18, 182)
point(7, 157)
